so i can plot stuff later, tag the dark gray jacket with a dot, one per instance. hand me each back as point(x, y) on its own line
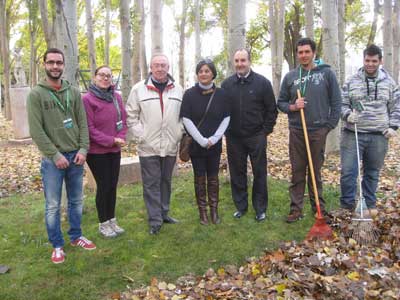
point(322, 94)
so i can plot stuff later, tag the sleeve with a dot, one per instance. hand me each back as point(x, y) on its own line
point(122, 133)
point(133, 122)
point(220, 130)
point(95, 135)
point(271, 112)
point(284, 96)
point(82, 123)
point(194, 132)
point(335, 101)
point(394, 108)
point(36, 130)
point(346, 104)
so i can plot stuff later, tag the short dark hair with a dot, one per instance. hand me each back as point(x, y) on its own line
point(53, 50)
point(306, 41)
point(245, 50)
point(209, 63)
point(373, 50)
point(101, 67)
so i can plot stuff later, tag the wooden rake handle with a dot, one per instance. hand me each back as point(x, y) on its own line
point(310, 161)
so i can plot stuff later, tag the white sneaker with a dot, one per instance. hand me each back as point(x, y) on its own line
point(106, 230)
point(114, 226)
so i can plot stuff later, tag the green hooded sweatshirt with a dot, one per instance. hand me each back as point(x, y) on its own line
point(55, 126)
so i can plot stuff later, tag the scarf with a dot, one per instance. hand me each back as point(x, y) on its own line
point(106, 95)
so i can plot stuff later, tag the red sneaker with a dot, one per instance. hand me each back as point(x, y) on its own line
point(84, 243)
point(58, 256)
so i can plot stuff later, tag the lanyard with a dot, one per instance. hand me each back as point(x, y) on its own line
point(115, 101)
point(303, 88)
point(59, 103)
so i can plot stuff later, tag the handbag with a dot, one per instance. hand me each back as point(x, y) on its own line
point(186, 141)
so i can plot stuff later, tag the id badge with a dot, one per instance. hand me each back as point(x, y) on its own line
point(119, 125)
point(68, 123)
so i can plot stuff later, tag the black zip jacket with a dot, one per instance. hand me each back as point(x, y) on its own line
point(252, 105)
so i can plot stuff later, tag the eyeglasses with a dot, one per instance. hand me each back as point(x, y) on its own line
point(163, 66)
point(104, 76)
point(52, 62)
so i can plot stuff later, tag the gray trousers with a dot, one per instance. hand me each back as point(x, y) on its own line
point(156, 178)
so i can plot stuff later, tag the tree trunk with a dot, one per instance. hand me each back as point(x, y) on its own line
point(236, 29)
point(309, 15)
point(48, 30)
point(125, 48)
point(342, 41)
point(156, 26)
point(107, 33)
point(32, 6)
point(387, 36)
point(182, 40)
point(330, 42)
point(292, 35)
point(143, 59)
point(5, 59)
point(372, 33)
point(197, 31)
point(90, 37)
point(136, 75)
point(396, 41)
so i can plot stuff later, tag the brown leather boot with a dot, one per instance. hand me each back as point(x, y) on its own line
point(200, 191)
point(213, 190)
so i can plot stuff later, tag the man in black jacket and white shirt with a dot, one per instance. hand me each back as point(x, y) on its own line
point(253, 117)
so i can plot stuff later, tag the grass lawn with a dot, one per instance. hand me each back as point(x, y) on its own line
point(179, 249)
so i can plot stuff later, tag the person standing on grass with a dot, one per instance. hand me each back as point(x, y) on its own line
point(58, 126)
point(371, 101)
point(106, 118)
point(320, 99)
point(206, 148)
point(153, 120)
point(253, 117)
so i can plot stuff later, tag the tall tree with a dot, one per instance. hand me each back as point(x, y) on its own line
point(4, 44)
point(143, 58)
point(372, 33)
point(90, 37)
point(309, 18)
point(156, 26)
point(124, 16)
point(136, 74)
point(292, 33)
point(33, 22)
point(197, 31)
point(48, 26)
point(236, 29)
point(182, 41)
point(330, 42)
point(276, 29)
point(396, 41)
point(107, 33)
point(387, 36)
point(342, 41)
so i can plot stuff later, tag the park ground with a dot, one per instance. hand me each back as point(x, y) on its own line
point(238, 259)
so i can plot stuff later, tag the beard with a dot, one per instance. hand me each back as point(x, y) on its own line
point(52, 77)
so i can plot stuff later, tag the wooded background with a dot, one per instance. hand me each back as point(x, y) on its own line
point(87, 31)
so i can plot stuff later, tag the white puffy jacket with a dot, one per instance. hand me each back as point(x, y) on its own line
point(157, 131)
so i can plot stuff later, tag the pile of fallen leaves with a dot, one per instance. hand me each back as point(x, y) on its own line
point(339, 269)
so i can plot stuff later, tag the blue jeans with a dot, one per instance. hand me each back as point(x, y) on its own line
point(373, 148)
point(53, 178)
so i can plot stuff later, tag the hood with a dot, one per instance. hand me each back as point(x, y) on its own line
point(317, 67)
point(382, 74)
point(64, 85)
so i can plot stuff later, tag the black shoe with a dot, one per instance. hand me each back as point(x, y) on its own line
point(170, 220)
point(238, 214)
point(155, 229)
point(261, 217)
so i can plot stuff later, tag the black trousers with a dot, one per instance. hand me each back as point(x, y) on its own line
point(238, 150)
point(105, 170)
point(206, 165)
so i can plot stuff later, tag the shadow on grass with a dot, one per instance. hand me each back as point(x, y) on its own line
point(179, 249)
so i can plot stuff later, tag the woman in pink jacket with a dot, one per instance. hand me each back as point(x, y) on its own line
point(106, 117)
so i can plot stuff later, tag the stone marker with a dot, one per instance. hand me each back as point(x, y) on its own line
point(19, 115)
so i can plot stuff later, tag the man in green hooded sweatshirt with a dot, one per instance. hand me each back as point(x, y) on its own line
point(57, 122)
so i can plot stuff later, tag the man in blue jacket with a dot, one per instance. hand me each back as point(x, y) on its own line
point(253, 117)
point(321, 99)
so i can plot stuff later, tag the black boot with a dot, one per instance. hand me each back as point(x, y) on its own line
point(200, 191)
point(213, 191)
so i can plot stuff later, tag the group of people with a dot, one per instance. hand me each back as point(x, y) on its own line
point(70, 130)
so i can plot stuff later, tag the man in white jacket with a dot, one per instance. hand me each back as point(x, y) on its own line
point(153, 120)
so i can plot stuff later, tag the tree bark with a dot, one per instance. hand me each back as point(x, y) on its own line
point(143, 59)
point(125, 48)
point(342, 41)
point(330, 42)
point(136, 74)
point(197, 31)
point(372, 33)
point(396, 41)
point(309, 15)
point(5, 59)
point(182, 40)
point(90, 37)
point(236, 29)
point(48, 30)
point(156, 26)
point(107, 33)
point(387, 36)
point(33, 8)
